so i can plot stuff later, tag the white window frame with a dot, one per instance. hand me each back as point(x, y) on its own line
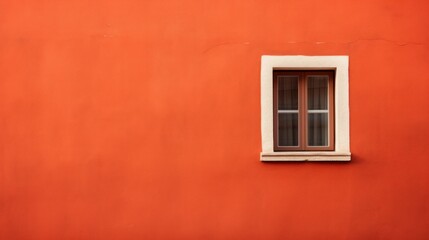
point(342, 126)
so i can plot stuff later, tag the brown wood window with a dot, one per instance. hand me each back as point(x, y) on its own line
point(303, 110)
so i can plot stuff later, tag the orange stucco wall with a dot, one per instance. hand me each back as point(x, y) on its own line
point(126, 119)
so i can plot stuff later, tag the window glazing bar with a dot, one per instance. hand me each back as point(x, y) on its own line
point(318, 111)
point(288, 111)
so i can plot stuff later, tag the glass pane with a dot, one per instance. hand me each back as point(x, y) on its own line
point(317, 92)
point(318, 129)
point(287, 92)
point(288, 129)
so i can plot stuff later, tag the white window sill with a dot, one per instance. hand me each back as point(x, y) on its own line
point(305, 156)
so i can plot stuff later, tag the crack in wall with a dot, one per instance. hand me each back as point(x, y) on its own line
point(364, 39)
point(398, 43)
point(386, 40)
point(224, 44)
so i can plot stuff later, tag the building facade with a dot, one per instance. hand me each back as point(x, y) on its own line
point(142, 120)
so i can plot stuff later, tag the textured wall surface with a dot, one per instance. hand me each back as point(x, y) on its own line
point(126, 119)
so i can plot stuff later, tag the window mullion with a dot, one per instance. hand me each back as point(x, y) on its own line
point(303, 107)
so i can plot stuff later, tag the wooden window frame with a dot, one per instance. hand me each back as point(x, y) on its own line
point(303, 144)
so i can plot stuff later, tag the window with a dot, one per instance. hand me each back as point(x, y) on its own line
point(304, 108)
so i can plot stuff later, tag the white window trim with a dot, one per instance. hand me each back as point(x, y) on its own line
point(342, 127)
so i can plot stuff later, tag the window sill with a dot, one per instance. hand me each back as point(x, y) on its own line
point(304, 156)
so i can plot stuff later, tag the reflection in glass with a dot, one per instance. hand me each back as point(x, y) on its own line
point(318, 129)
point(288, 129)
point(317, 92)
point(287, 92)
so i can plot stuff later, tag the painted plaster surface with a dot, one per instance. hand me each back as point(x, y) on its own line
point(123, 119)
